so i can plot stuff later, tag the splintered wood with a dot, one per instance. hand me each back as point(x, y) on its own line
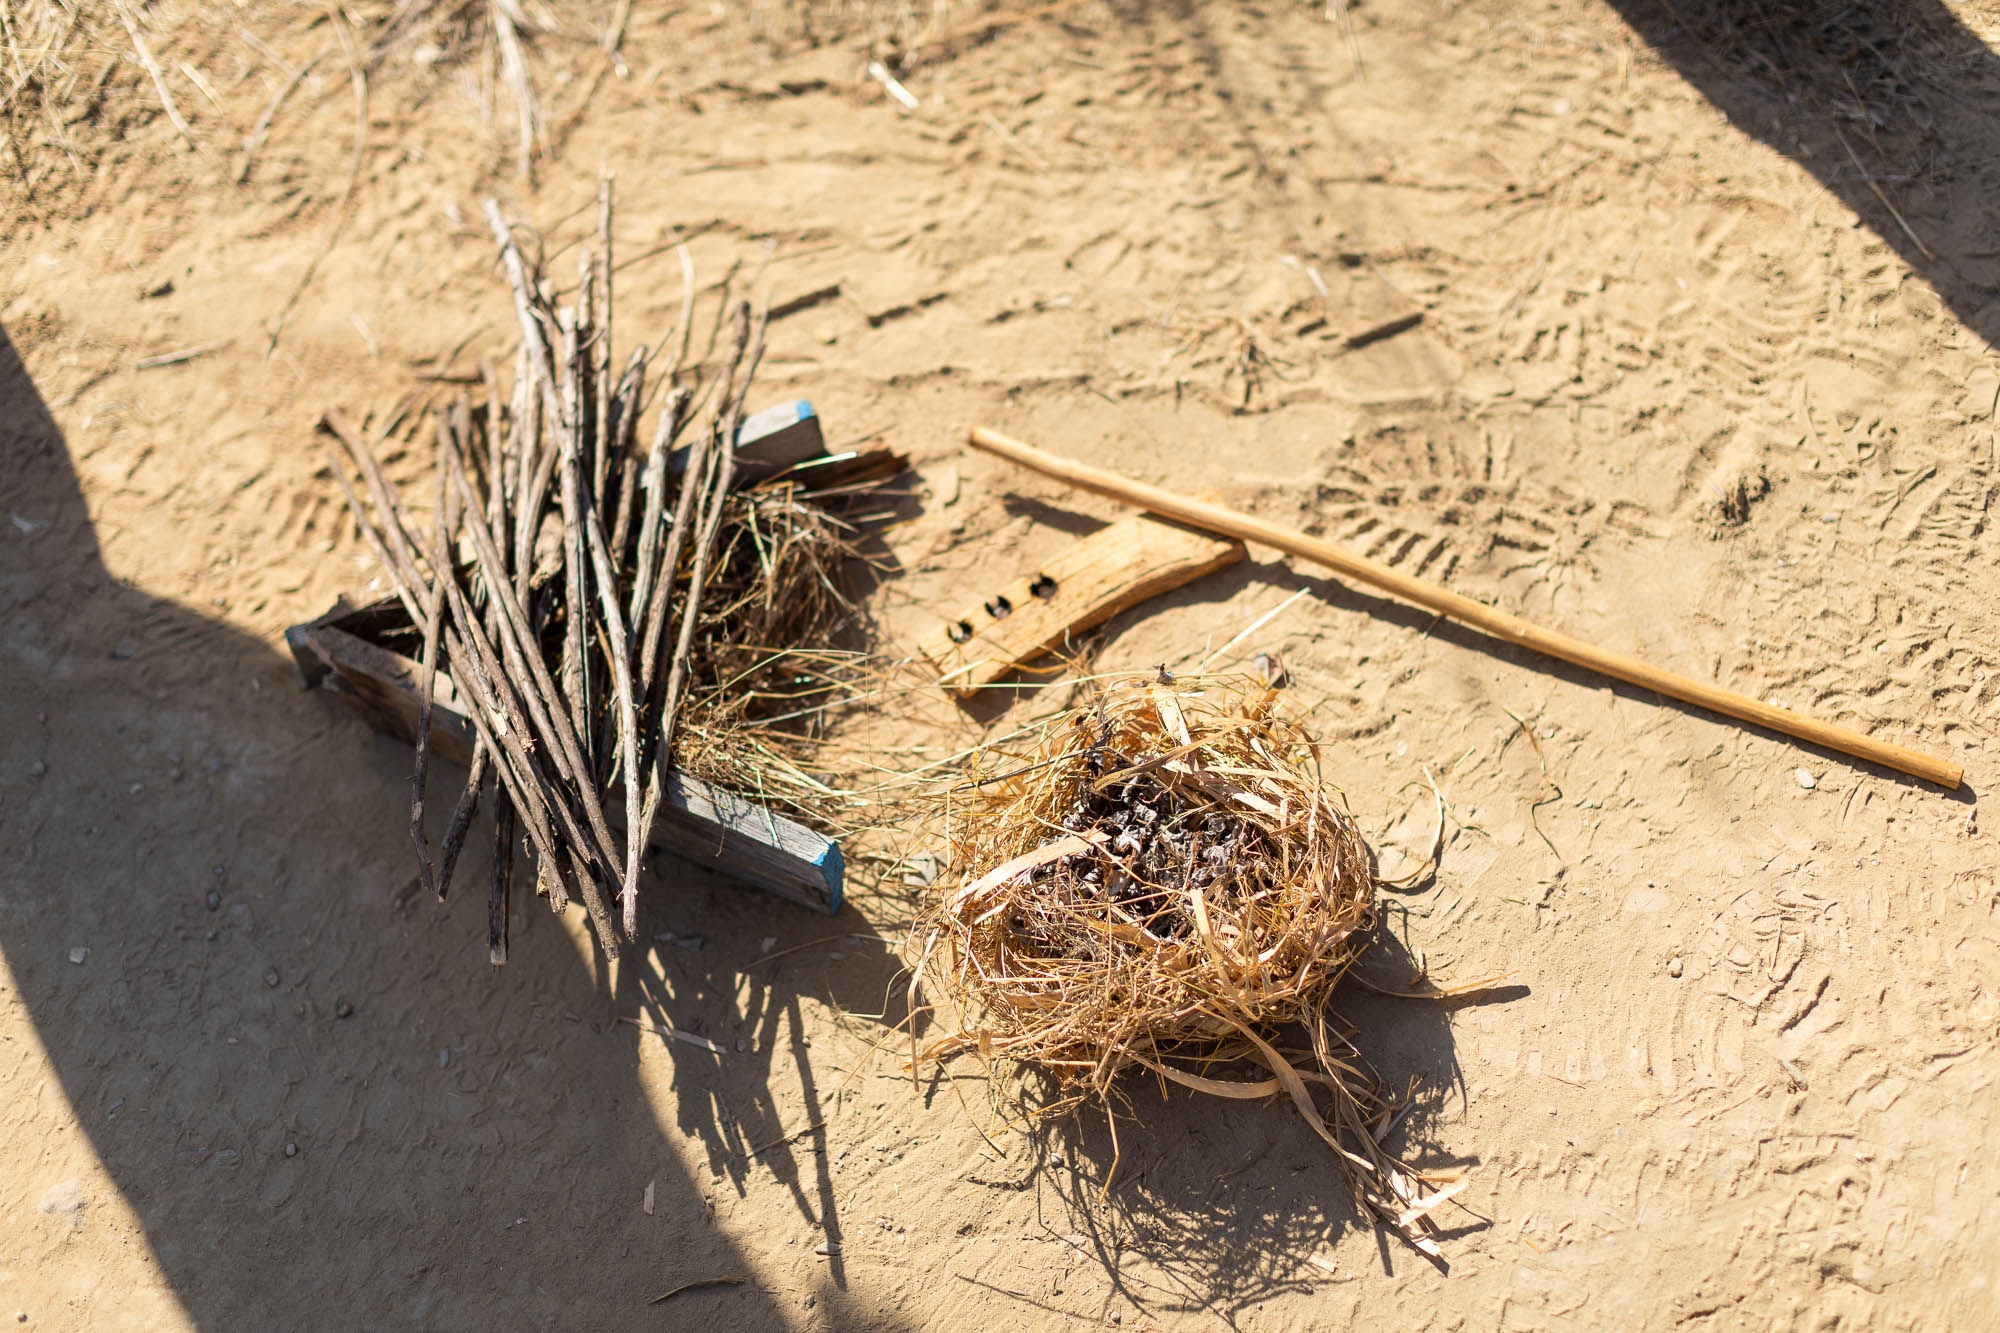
point(1107, 572)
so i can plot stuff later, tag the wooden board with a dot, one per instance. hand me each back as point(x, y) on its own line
point(1105, 573)
point(697, 822)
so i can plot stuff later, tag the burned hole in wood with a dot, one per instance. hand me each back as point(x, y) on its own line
point(999, 608)
point(1043, 587)
point(960, 632)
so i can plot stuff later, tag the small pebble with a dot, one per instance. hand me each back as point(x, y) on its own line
point(213, 901)
point(271, 977)
point(444, 1059)
point(342, 1009)
point(1674, 967)
point(137, 787)
point(291, 1150)
point(211, 935)
point(827, 1248)
point(1805, 779)
point(79, 953)
point(220, 872)
point(35, 770)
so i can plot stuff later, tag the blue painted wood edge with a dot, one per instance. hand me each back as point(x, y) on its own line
point(834, 866)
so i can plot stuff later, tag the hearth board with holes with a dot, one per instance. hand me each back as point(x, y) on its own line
point(1107, 572)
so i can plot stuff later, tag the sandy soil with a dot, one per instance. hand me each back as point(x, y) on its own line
point(1683, 384)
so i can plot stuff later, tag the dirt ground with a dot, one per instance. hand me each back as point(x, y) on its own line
point(1705, 371)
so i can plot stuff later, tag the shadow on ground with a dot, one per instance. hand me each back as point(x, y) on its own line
point(1894, 107)
point(1210, 1214)
point(279, 1049)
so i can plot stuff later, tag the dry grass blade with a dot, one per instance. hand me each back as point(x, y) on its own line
point(1165, 883)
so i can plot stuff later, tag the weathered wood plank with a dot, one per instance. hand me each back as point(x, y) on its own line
point(1107, 572)
point(699, 823)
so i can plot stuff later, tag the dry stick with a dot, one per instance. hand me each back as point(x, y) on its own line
point(433, 609)
point(624, 405)
point(498, 898)
point(628, 715)
point(462, 815)
point(482, 760)
point(535, 467)
point(1491, 620)
point(461, 426)
point(255, 139)
point(534, 341)
point(625, 430)
point(686, 328)
point(655, 486)
point(530, 517)
point(661, 758)
point(496, 452)
point(576, 659)
point(606, 441)
point(526, 430)
point(159, 77)
point(550, 409)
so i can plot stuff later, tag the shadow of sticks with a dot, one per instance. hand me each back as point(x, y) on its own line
point(315, 1094)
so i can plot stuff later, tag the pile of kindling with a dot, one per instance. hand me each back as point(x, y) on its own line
point(590, 600)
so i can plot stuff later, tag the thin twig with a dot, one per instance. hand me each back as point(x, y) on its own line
point(145, 52)
point(426, 688)
point(185, 354)
point(498, 899)
point(697, 1283)
point(255, 139)
point(1869, 181)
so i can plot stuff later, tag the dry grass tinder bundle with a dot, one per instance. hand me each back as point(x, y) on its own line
point(1167, 883)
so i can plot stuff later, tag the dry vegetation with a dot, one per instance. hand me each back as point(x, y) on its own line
point(89, 83)
point(1167, 883)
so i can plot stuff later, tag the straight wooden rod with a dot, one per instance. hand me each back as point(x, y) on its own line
point(1491, 620)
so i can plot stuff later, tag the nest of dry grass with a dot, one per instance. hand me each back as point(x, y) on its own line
point(1168, 884)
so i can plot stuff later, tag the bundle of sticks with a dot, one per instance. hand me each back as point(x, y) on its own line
point(562, 582)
